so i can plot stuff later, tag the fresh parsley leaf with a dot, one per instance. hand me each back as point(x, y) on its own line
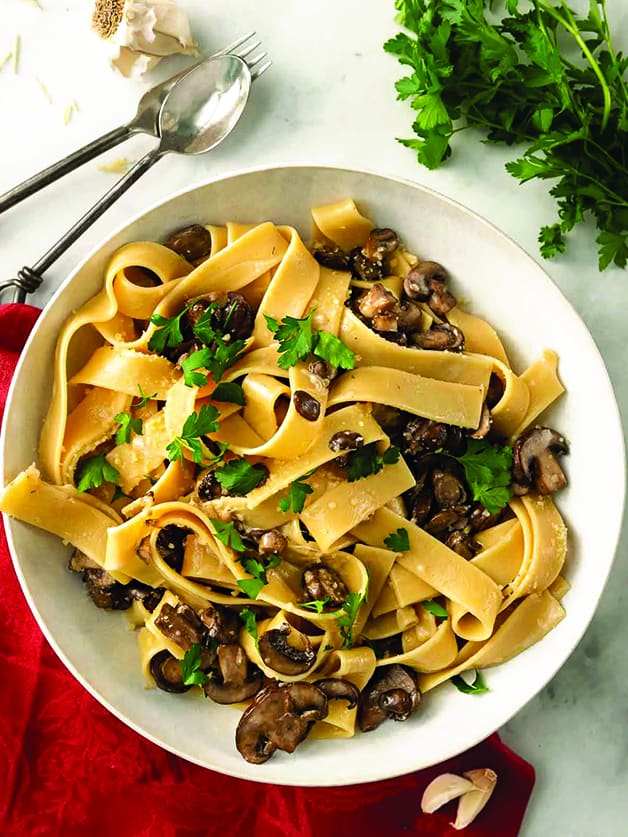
point(317, 604)
point(118, 494)
point(228, 534)
point(488, 470)
point(250, 623)
point(541, 74)
point(93, 472)
point(231, 392)
point(168, 333)
point(238, 477)
point(143, 399)
point(297, 339)
point(346, 617)
point(367, 460)
point(196, 425)
point(128, 424)
point(221, 353)
point(297, 493)
point(478, 687)
point(196, 360)
point(333, 350)
point(398, 541)
point(435, 608)
point(223, 447)
point(252, 586)
point(191, 667)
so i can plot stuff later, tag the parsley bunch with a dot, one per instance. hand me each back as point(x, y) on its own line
point(533, 73)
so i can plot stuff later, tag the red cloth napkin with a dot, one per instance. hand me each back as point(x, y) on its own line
point(69, 768)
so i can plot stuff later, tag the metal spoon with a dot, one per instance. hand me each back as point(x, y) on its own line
point(197, 114)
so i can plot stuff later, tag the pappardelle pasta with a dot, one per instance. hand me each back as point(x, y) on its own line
point(310, 477)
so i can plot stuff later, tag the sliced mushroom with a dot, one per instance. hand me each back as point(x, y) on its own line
point(222, 624)
point(166, 672)
point(424, 436)
point(278, 654)
point(441, 301)
point(418, 283)
point(409, 317)
point(331, 256)
point(180, 624)
point(321, 581)
point(377, 300)
point(80, 562)
point(481, 519)
point(272, 543)
point(448, 520)
point(386, 322)
point(171, 545)
point(105, 591)
point(335, 688)
point(392, 692)
point(148, 596)
point(323, 370)
point(440, 337)
point(381, 242)
point(463, 544)
point(345, 440)
point(484, 427)
point(279, 718)
point(192, 242)
point(237, 680)
point(364, 268)
point(535, 460)
point(208, 488)
point(448, 489)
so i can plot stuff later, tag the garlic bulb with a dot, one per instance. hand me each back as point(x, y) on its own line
point(141, 32)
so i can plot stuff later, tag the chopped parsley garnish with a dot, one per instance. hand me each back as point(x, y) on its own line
point(93, 472)
point(250, 624)
point(435, 608)
point(252, 586)
point(238, 477)
point(196, 425)
point(478, 687)
point(197, 360)
point(128, 424)
point(228, 534)
point(398, 541)
point(168, 333)
point(346, 617)
point(297, 339)
point(191, 667)
point(366, 461)
point(143, 399)
point(222, 353)
point(317, 604)
point(488, 470)
point(296, 495)
point(229, 391)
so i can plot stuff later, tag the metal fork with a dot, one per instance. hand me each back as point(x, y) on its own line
point(146, 120)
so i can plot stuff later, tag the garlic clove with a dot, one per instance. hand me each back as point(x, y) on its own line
point(443, 789)
point(471, 803)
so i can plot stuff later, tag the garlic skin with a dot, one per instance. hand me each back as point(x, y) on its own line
point(142, 32)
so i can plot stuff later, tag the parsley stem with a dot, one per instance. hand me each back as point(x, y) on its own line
point(571, 26)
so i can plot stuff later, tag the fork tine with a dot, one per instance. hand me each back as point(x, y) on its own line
point(260, 70)
point(254, 61)
point(243, 53)
point(232, 47)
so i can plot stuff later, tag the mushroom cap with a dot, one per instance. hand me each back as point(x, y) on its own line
point(335, 688)
point(280, 656)
point(236, 681)
point(392, 692)
point(166, 672)
point(535, 459)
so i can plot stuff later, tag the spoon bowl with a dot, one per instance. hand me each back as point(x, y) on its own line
point(204, 106)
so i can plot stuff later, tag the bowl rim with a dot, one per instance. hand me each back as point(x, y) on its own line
point(574, 637)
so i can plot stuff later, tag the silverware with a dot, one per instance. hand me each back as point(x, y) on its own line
point(199, 111)
point(146, 120)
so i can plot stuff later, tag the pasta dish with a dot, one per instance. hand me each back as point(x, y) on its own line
point(309, 476)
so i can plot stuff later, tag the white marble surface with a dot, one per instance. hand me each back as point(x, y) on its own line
point(329, 98)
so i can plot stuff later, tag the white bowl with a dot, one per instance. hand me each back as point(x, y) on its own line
point(502, 283)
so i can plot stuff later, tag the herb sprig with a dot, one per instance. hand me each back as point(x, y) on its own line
point(195, 426)
point(298, 338)
point(477, 687)
point(298, 491)
point(534, 73)
point(94, 471)
point(191, 670)
point(367, 460)
point(346, 617)
point(253, 586)
point(488, 470)
point(128, 424)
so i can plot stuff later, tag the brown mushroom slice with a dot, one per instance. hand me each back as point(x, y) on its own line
point(381, 242)
point(448, 489)
point(535, 460)
point(280, 656)
point(192, 242)
point(166, 672)
point(335, 688)
point(222, 624)
point(440, 337)
point(322, 583)
point(463, 544)
point(331, 256)
point(180, 624)
point(486, 420)
point(377, 300)
point(392, 692)
point(308, 701)
point(105, 591)
point(418, 283)
point(235, 682)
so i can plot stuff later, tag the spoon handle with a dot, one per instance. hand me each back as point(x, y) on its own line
point(29, 278)
point(57, 170)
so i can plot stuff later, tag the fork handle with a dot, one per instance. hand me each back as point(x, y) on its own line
point(57, 170)
point(34, 273)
